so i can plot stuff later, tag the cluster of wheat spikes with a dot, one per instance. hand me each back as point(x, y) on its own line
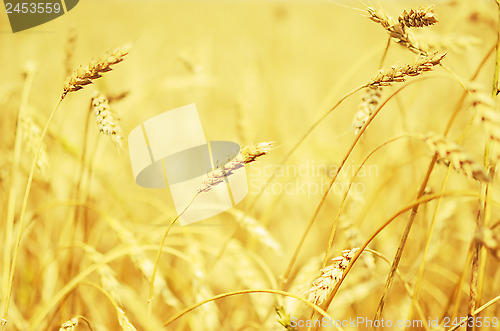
point(400, 32)
point(325, 287)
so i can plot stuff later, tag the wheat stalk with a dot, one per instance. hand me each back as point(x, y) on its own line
point(330, 276)
point(106, 118)
point(452, 154)
point(247, 154)
point(419, 17)
point(86, 75)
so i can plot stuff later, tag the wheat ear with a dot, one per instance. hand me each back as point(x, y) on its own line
point(106, 118)
point(368, 104)
point(397, 31)
point(86, 75)
point(69, 325)
point(419, 17)
point(330, 276)
point(452, 154)
point(247, 154)
point(423, 63)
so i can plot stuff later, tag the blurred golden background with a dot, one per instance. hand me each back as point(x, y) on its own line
point(257, 71)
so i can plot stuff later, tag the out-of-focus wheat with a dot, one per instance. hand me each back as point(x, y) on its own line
point(368, 104)
point(69, 325)
point(70, 51)
point(106, 118)
point(452, 154)
point(32, 137)
point(419, 17)
point(484, 106)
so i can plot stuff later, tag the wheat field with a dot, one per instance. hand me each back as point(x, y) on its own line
point(372, 134)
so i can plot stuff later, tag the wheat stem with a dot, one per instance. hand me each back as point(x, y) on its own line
point(158, 255)
point(11, 204)
point(430, 233)
point(344, 198)
point(230, 294)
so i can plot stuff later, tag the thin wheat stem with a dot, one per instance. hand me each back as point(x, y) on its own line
point(40, 315)
point(74, 214)
point(430, 233)
point(421, 191)
point(344, 198)
point(386, 50)
point(158, 255)
point(456, 297)
point(230, 294)
point(23, 216)
point(477, 311)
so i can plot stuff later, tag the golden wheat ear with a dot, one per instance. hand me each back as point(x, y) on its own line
point(395, 74)
point(86, 75)
point(106, 118)
point(330, 276)
point(248, 154)
point(366, 108)
point(419, 17)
